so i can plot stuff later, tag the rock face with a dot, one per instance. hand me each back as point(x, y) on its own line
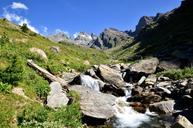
point(182, 122)
point(163, 107)
point(59, 37)
point(40, 52)
point(143, 22)
point(56, 98)
point(111, 76)
point(95, 104)
point(110, 38)
point(83, 38)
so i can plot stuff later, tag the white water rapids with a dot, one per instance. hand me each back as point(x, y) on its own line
point(125, 116)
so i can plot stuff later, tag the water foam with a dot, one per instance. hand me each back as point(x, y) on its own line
point(126, 116)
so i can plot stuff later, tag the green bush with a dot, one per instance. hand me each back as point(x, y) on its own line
point(33, 114)
point(178, 73)
point(4, 87)
point(40, 85)
point(42, 90)
point(42, 117)
point(4, 39)
point(14, 73)
point(24, 28)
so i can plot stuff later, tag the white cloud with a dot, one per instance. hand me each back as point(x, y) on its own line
point(25, 21)
point(61, 31)
point(45, 29)
point(18, 5)
point(18, 19)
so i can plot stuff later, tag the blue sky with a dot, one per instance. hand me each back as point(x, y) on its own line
point(71, 16)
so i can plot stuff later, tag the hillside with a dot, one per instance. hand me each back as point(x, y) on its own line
point(15, 48)
point(168, 38)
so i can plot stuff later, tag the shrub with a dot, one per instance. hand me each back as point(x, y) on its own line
point(24, 28)
point(42, 90)
point(39, 84)
point(4, 39)
point(33, 114)
point(4, 87)
point(14, 73)
point(178, 73)
point(41, 117)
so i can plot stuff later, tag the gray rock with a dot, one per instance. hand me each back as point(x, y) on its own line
point(111, 76)
point(91, 72)
point(151, 80)
point(56, 98)
point(165, 90)
point(162, 107)
point(95, 104)
point(40, 52)
point(166, 65)
point(69, 77)
point(146, 66)
point(182, 122)
point(163, 78)
point(143, 78)
point(55, 49)
point(164, 84)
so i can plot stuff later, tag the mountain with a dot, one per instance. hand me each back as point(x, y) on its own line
point(83, 38)
point(59, 37)
point(110, 38)
point(170, 36)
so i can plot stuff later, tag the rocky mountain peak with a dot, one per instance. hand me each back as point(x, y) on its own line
point(61, 36)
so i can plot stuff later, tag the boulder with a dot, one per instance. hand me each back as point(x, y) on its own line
point(56, 98)
point(166, 65)
point(146, 66)
point(86, 62)
point(182, 122)
point(92, 72)
point(111, 76)
point(40, 52)
point(164, 84)
point(19, 91)
point(116, 67)
point(55, 49)
point(69, 77)
point(141, 81)
point(163, 107)
point(165, 90)
point(95, 104)
point(151, 80)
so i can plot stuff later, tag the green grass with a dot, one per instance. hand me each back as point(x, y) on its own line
point(15, 47)
point(178, 73)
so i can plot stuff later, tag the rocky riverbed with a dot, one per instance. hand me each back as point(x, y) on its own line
point(129, 96)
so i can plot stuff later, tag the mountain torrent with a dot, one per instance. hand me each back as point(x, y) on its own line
point(119, 79)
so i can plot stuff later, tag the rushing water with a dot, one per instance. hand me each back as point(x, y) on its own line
point(90, 82)
point(125, 116)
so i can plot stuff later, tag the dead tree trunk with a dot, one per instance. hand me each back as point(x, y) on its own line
point(47, 74)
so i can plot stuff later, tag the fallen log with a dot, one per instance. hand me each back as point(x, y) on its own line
point(47, 74)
